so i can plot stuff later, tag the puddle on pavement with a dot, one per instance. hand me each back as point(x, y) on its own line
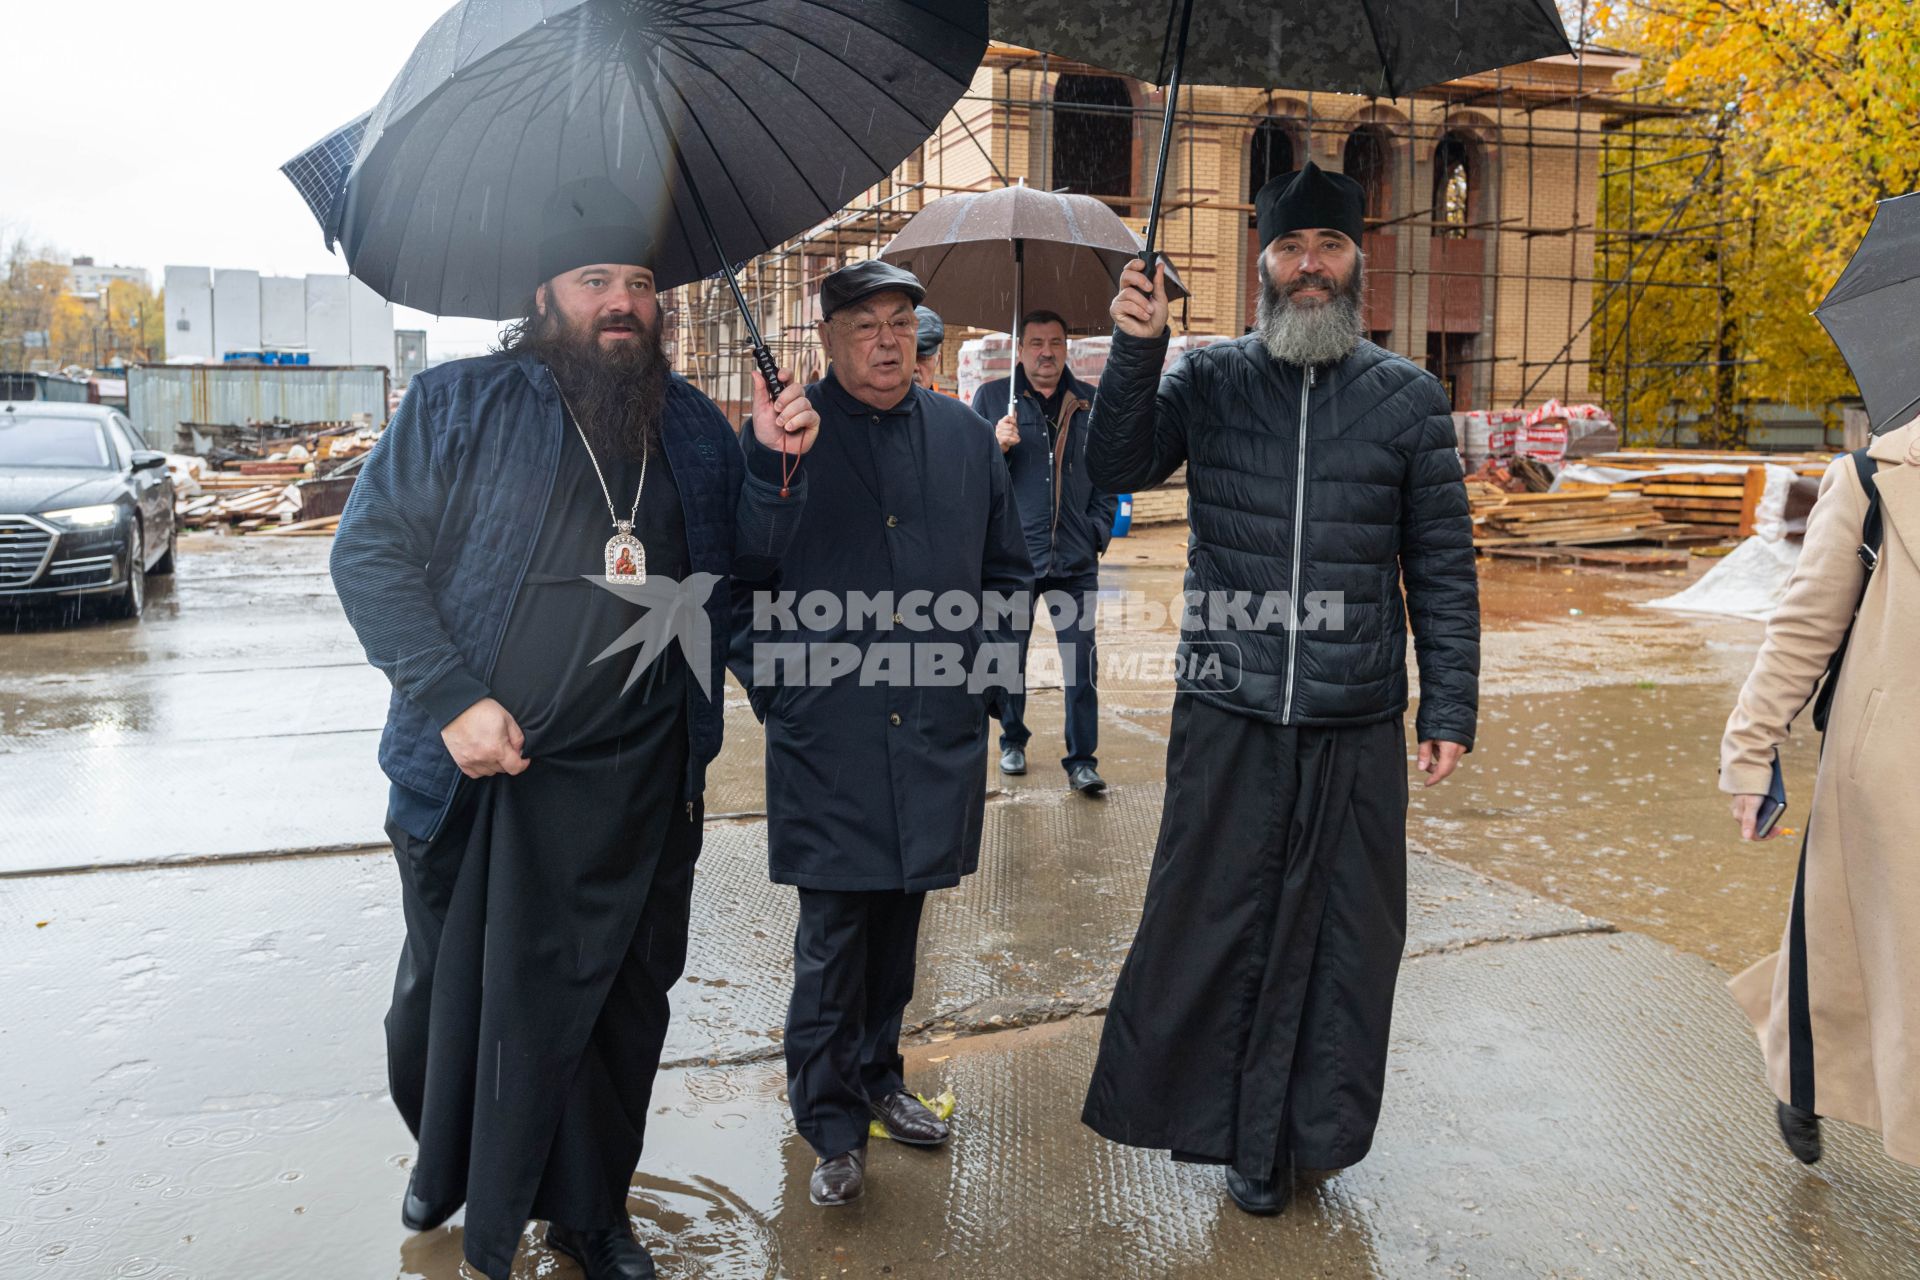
point(1605, 799)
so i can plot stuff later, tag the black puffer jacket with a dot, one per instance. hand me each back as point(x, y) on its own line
point(1369, 500)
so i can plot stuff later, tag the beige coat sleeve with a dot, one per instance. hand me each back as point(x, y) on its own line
point(1801, 636)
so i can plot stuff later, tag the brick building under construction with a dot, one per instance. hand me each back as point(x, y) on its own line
point(1483, 196)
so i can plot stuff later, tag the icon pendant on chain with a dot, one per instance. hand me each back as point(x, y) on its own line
point(626, 557)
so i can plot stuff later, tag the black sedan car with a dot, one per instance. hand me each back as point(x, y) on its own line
point(86, 509)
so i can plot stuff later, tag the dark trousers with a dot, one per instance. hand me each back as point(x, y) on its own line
point(853, 960)
point(1078, 662)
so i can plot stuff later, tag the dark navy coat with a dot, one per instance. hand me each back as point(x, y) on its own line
point(443, 521)
point(1067, 518)
point(877, 785)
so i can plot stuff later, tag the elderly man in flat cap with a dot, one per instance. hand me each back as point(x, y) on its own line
point(1249, 1027)
point(872, 658)
point(523, 513)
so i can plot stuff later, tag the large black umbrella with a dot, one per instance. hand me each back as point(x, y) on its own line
point(1873, 311)
point(1382, 48)
point(735, 124)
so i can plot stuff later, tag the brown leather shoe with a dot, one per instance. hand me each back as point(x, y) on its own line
point(840, 1180)
point(908, 1120)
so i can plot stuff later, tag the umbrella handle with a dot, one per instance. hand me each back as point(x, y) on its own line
point(769, 370)
point(770, 374)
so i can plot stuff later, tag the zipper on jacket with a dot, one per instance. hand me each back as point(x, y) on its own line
point(1299, 526)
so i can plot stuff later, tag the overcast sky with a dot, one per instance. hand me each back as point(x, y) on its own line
point(150, 133)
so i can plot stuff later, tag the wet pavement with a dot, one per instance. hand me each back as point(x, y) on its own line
point(195, 1083)
point(238, 715)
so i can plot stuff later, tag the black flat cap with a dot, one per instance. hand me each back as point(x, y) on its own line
point(1308, 199)
point(860, 280)
point(933, 332)
point(590, 221)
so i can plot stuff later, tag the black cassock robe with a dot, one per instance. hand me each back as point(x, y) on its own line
point(547, 921)
point(1250, 1023)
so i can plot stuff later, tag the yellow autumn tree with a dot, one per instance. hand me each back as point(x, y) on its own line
point(1807, 113)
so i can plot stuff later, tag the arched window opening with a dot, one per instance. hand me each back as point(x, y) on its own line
point(1092, 141)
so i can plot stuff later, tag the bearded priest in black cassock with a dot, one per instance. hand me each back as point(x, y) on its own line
point(1249, 1026)
point(526, 522)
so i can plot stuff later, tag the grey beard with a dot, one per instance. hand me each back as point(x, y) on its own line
point(1312, 335)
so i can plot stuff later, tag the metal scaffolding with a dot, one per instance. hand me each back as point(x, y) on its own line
point(1558, 324)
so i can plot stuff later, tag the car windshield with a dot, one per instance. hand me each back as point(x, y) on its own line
point(30, 441)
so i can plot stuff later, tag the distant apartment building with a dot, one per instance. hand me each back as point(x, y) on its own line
point(88, 278)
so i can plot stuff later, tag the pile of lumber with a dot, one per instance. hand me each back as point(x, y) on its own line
point(1721, 501)
point(245, 506)
point(1582, 518)
point(321, 527)
point(1805, 464)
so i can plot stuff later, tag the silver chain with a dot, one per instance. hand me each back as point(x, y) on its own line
point(608, 493)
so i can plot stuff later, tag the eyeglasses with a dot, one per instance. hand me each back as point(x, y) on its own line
point(905, 328)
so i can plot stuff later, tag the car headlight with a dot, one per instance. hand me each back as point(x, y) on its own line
point(85, 517)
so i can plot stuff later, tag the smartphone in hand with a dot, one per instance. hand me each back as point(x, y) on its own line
point(1772, 804)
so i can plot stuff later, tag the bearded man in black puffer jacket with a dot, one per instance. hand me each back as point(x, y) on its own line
point(1250, 1023)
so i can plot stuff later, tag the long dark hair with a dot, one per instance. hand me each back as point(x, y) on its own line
point(517, 335)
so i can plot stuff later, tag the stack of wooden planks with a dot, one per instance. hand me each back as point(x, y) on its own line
point(1718, 501)
point(320, 527)
point(1578, 518)
point(244, 507)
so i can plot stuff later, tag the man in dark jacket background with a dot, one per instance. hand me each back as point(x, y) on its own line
point(1249, 1027)
point(1068, 522)
point(521, 514)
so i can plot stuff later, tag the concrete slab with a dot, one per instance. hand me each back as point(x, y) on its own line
point(196, 1090)
point(1039, 933)
point(1574, 1107)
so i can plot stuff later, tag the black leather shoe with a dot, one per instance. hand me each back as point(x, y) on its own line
point(840, 1180)
point(1800, 1130)
point(1085, 780)
point(1013, 760)
point(1261, 1197)
point(908, 1120)
point(417, 1215)
point(609, 1254)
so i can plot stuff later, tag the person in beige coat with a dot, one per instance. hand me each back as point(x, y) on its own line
point(1841, 1030)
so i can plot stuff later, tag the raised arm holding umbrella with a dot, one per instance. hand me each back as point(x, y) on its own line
point(531, 516)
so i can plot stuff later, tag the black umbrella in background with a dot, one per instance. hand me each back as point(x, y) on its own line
point(734, 124)
point(1381, 48)
point(1873, 312)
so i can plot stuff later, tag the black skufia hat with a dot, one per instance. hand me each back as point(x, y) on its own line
point(591, 220)
point(859, 280)
point(1311, 198)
